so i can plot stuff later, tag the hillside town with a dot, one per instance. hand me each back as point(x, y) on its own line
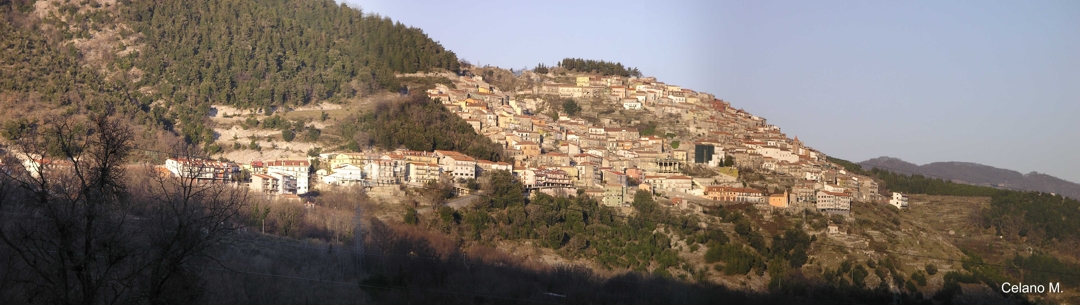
point(603, 158)
point(571, 155)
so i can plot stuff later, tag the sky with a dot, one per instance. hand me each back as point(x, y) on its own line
point(991, 82)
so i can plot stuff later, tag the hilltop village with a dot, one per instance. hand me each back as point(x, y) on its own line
point(602, 158)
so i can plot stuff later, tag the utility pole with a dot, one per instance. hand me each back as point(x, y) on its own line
point(358, 240)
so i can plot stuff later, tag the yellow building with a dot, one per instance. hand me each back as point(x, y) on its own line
point(779, 200)
point(528, 149)
point(582, 81)
point(680, 155)
point(418, 156)
point(466, 102)
point(356, 159)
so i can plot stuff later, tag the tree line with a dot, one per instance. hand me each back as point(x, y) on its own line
point(1035, 215)
point(597, 66)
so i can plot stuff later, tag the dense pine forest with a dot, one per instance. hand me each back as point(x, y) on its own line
point(271, 53)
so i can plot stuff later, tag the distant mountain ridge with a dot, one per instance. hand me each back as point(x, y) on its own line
point(978, 174)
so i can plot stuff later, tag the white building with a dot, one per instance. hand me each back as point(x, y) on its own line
point(899, 200)
point(833, 188)
point(420, 173)
point(678, 184)
point(345, 175)
point(299, 170)
point(832, 202)
point(458, 165)
point(677, 98)
point(286, 183)
point(37, 166)
point(778, 154)
point(380, 172)
point(201, 169)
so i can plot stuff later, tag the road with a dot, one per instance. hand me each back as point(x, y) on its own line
point(461, 202)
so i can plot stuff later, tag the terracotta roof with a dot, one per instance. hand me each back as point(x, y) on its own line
point(288, 163)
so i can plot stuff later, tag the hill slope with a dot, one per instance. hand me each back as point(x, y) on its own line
point(164, 63)
point(978, 174)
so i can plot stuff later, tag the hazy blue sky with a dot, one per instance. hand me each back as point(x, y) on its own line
point(992, 82)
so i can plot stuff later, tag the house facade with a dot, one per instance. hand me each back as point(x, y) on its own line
point(298, 169)
point(345, 175)
point(833, 202)
point(733, 194)
point(899, 200)
point(206, 170)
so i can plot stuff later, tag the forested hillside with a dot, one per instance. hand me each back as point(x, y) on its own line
point(268, 53)
point(163, 63)
point(416, 123)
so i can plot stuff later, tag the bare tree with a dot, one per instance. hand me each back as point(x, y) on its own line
point(75, 230)
point(64, 217)
point(185, 218)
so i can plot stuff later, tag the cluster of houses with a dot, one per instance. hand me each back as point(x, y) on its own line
point(280, 177)
point(615, 161)
point(295, 177)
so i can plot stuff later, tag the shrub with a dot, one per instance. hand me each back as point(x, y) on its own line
point(288, 135)
point(411, 217)
point(919, 278)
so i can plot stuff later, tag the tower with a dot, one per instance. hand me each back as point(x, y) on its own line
point(797, 149)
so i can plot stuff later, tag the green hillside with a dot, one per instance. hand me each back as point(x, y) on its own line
point(269, 53)
point(163, 63)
